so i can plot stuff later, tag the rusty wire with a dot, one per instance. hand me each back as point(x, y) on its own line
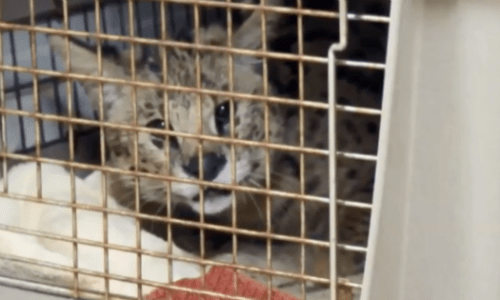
point(104, 187)
point(186, 45)
point(221, 228)
point(265, 84)
point(120, 278)
point(170, 286)
point(168, 200)
point(282, 10)
point(272, 146)
point(267, 271)
point(239, 188)
point(230, 73)
point(185, 89)
point(71, 141)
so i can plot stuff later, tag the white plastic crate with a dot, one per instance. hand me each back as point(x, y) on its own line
point(437, 194)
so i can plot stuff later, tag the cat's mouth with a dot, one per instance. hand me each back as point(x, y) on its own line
point(211, 194)
point(215, 201)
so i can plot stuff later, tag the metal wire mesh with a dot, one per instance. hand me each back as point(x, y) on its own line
point(43, 107)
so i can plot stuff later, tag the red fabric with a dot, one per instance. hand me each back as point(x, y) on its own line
point(220, 280)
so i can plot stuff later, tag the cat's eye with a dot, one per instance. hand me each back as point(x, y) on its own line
point(154, 67)
point(158, 139)
point(222, 117)
point(156, 123)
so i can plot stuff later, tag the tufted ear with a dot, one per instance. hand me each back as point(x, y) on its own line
point(214, 35)
point(249, 34)
point(83, 60)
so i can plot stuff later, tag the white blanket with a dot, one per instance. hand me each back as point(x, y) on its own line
point(57, 220)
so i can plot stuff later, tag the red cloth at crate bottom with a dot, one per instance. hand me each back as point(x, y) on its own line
point(220, 280)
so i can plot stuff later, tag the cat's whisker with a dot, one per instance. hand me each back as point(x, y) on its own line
point(259, 211)
point(255, 182)
point(282, 176)
point(157, 212)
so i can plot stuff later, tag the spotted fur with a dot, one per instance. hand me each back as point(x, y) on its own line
point(354, 178)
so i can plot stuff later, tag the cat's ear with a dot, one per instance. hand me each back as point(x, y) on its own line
point(249, 34)
point(83, 60)
point(213, 35)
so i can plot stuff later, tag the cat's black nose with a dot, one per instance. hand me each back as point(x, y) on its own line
point(212, 165)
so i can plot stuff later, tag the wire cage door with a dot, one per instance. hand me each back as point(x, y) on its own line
point(136, 121)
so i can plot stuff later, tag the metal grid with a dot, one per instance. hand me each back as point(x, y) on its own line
point(73, 118)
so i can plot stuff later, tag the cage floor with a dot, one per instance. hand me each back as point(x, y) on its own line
point(12, 292)
point(9, 292)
